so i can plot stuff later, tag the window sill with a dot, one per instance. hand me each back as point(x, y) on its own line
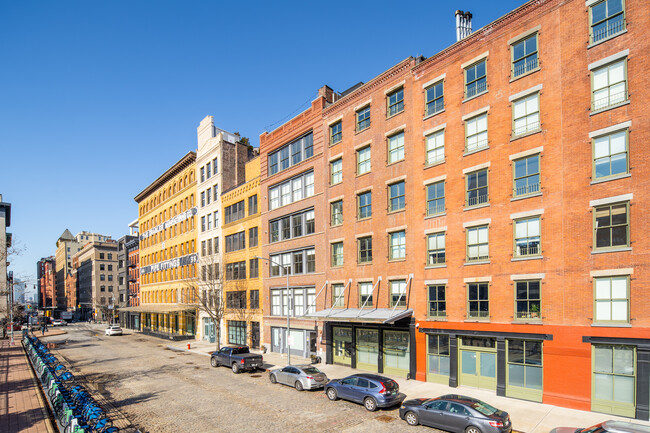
point(334, 144)
point(362, 174)
point(612, 250)
point(471, 152)
point(517, 137)
point(522, 259)
point(364, 263)
point(478, 206)
point(429, 116)
point(388, 164)
point(521, 197)
point(475, 96)
point(611, 107)
point(437, 319)
point(609, 38)
point(334, 184)
point(476, 320)
point(611, 325)
point(396, 260)
point(336, 267)
point(359, 131)
point(532, 71)
point(435, 266)
point(331, 226)
point(607, 179)
point(433, 164)
point(390, 212)
point(527, 322)
point(481, 262)
point(396, 114)
point(435, 215)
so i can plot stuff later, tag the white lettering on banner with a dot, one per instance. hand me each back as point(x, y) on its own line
point(190, 259)
point(170, 222)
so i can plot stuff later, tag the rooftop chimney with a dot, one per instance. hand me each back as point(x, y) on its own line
point(463, 25)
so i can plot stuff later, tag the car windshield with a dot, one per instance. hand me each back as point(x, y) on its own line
point(310, 370)
point(484, 408)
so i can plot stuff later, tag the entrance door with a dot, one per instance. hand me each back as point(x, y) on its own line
point(397, 352)
point(255, 335)
point(276, 340)
point(367, 349)
point(478, 363)
point(342, 350)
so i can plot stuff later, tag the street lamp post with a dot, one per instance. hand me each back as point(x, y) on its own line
point(289, 302)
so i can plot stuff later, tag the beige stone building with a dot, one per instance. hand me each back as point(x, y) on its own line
point(97, 278)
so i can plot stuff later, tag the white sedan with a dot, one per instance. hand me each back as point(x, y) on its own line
point(114, 330)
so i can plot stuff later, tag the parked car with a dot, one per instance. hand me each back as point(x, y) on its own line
point(606, 427)
point(16, 327)
point(456, 413)
point(299, 376)
point(371, 390)
point(113, 330)
point(59, 322)
point(236, 357)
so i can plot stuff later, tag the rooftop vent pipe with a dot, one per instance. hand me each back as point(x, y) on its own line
point(463, 25)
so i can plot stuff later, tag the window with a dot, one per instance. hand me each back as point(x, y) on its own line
point(236, 300)
point(216, 245)
point(607, 19)
point(438, 357)
point(101, 255)
point(336, 171)
point(336, 213)
point(609, 85)
point(396, 148)
point(610, 155)
point(295, 262)
point(207, 171)
point(477, 188)
point(102, 277)
point(613, 379)
point(255, 299)
point(435, 147)
point(215, 192)
point(525, 364)
point(437, 303)
point(527, 237)
point(397, 249)
point(215, 166)
point(110, 277)
point(202, 174)
point(291, 154)
point(477, 244)
point(525, 115)
point(102, 288)
point(436, 198)
point(398, 293)
point(254, 268)
point(252, 205)
point(336, 132)
point(234, 212)
point(365, 294)
point(363, 118)
point(337, 254)
point(475, 79)
point(209, 221)
point(209, 245)
point(528, 302)
point(236, 271)
point(208, 195)
point(395, 101)
point(252, 237)
point(338, 299)
point(434, 99)
point(476, 135)
point(365, 249)
point(292, 226)
point(236, 242)
point(526, 176)
point(301, 302)
point(215, 217)
point(363, 160)
point(436, 249)
point(292, 190)
point(612, 299)
point(524, 56)
point(236, 332)
point(611, 226)
point(478, 305)
point(202, 198)
point(101, 267)
point(364, 202)
point(396, 197)
point(110, 267)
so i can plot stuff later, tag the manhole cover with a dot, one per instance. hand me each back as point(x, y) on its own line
point(189, 363)
point(196, 367)
point(256, 375)
point(385, 418)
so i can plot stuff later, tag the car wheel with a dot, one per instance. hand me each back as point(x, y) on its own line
point(273, 379)
point(412, 418)
point(472, 429)
point(298, 386)
point(213, 362)
point(235, 368)
point(332, 394)
point(371, 404)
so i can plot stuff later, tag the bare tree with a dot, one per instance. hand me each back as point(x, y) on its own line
point(7, 306)
point(239, 307)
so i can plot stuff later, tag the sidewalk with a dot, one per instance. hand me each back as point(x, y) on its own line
point(526, 416)
point(21, 406)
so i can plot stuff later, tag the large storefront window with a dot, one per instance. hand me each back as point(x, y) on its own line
point(342, 339)
point(525, 370)
point(438, 359)
point(367, 349)
point(236, 332)
point(613, 380)
point(396, 352)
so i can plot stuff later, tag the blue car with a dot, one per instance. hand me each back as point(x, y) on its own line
point(371, 390)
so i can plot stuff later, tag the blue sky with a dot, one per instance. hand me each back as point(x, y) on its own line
point(98, 98)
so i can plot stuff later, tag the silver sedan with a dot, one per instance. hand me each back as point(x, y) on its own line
point(299, 376)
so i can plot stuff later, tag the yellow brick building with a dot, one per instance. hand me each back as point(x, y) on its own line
point(243, 280)
point(168, 257)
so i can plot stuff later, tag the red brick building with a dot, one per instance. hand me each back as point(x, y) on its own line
point(46, 283)
point(479, 213)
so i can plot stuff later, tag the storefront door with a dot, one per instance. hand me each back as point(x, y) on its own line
point(478, 362)
point(342, 340)
point(613, 381)
point(276, 339)
point(367, 349)
point(397, 352)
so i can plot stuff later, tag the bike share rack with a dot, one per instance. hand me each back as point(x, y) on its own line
point(74, 409)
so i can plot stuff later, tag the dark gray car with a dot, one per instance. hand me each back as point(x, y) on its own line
point(299, 376)
point(606, 427)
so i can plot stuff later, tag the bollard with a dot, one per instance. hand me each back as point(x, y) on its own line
point(188, 346)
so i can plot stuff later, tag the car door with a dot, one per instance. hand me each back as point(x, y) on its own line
point(283, 376)
point(434, 413)
point(345, 389)
point(458, 417)
point(224, 355)
point(360, 390)
point(292, 375)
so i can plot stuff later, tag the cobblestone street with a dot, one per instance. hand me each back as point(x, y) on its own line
point(162, 390)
